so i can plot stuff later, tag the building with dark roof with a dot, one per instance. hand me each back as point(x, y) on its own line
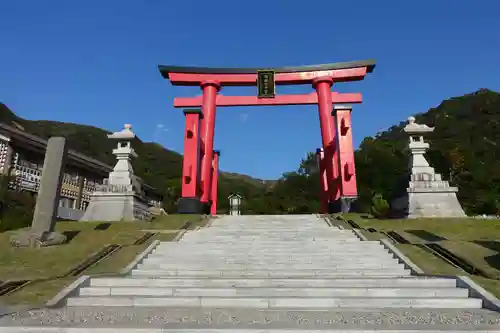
point(22, 155)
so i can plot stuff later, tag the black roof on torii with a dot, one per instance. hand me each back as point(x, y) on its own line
point(166, 69)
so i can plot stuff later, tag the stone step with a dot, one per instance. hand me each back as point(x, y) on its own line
point(175, 258)
point(279, 303)
point(272, 257)
point(278, 270)
point(274, 242)
point(269, 254)
point(352, 243)
point(231, 240)
point(272, 225)
point(234, 320)
point(265, 235)
point(242, 257)
point(387, 259)
point(300, 266)
point(270, 273)
point(293, 248)
point(264, 254)
point(298, 269)
point(312, 240)
point(268, 232)
point(267, 221)
point(274, 228)
point(275, 292)
point(407, 282)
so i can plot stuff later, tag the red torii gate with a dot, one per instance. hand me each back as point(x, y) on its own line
point(200, 168)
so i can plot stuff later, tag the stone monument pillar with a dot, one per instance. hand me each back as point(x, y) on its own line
point(427, 194)
point(42, 231)
point(121, 198)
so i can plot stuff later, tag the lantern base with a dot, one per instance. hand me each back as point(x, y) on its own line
point(189, 206)
point(205, 207)
point(335, 206)
point(348, 204)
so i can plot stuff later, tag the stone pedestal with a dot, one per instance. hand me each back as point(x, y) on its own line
point(189, 206)
point(112, 203)
point(427, 194)
point(429, 198)
point(347, 204)
point(35, 238)
point(121, 197)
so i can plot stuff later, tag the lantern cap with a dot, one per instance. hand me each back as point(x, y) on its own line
point(234, 195)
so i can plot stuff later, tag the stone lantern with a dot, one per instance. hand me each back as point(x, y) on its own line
point(121, 197)
point(234, 204)
point(428, 195)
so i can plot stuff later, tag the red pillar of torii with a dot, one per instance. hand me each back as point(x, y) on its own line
point(190, 164)
point(214, 191)
point(321, 77)
point(323, 182)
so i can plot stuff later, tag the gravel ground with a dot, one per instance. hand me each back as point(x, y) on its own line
point(254, 319)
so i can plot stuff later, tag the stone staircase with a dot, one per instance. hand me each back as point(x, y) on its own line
point(266, 273)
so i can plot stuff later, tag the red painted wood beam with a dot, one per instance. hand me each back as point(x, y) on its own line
point(312, 98)
point(338, 75)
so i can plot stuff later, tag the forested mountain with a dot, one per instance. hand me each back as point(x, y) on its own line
point(464, 148)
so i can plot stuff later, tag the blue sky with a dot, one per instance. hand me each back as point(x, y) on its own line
point(95, 62)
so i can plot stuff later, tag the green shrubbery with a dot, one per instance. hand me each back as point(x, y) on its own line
point(380, 206)
point(17, 207)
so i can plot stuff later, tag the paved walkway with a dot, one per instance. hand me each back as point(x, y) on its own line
point(266, 273)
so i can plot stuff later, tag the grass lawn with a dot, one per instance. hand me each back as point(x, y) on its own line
point(477, 241)
point(51, 262)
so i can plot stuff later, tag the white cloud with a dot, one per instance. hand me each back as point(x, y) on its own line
point(161, 128)
point(158, 131)
point(243, 117)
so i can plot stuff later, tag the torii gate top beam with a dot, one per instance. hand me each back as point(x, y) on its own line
point(194, 76)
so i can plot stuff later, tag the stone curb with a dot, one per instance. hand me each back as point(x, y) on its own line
point(138, 259)
point(84, 280)
point(330, 223)
point(359, 234)
point(69, 291)
point(398, 254)
point(209, 223)
point(490, 302)
point(327, 220)
point(179, 235)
